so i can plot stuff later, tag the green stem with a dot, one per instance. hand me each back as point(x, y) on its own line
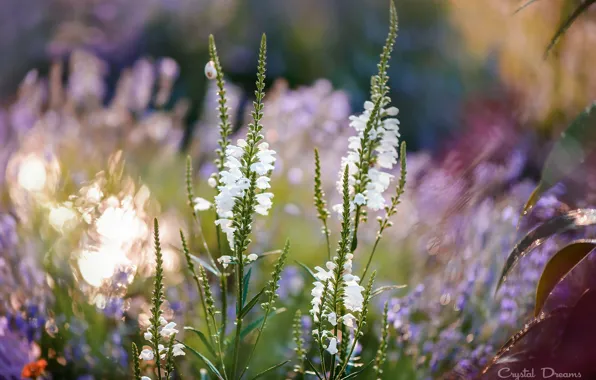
point(372, 253)
point(343, 367)
point(328, 243)
point(240, 274)
point(224, 306)
point(224, 288)
point(254, 346)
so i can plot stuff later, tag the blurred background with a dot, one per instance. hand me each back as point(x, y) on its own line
point(80, 80)
point(449, 52)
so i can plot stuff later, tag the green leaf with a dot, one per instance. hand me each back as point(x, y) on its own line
point(251, 304)
point(203, 339)
point(362, 369)
point(557, 268)
point(245, 283)
point(205, 360)
point(270, 369)
point(568, 152)
point(313, 368)
point(205, 264)
point(571, 220)
point(267, 254)
point(307, 269)
point(568, 22)
point(382, 289)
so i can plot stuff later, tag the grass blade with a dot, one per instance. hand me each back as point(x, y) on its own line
point(251, 304)
point(203, 339)
point(205, 360)
point(270, 369)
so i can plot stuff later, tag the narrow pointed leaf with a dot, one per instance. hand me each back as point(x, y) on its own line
point(558, 267)
point(205, 360)
point(362, 369)
point(251, 304)
point(382, 289)
point(245, 282)
point(571, 220)
point(205, 264)
point(307, 269)
point(203, 339)
point(568, 152)
point(314, 369)
point(267, 254)
point(263, 373)
point(568, 22)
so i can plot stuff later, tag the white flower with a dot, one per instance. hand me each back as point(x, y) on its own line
point(162, 351)
point(148, 335)
point(234, 183)
point(146, 354)
point(332, 318)
point(212, 182)
point(349, 320)
point(359, 199)
point(252, 257)
point(263, 183)
point(264, 203)
point(168, 330)
point(385, 137)
point(225, 260)
point(322, 274)
point(210, 71)
point(353, 298)
point(201, 204)
point(317, 294)
point(332, 346)
point(145, 378)
point(162, 321)
point(228, 229)
point(177, 349)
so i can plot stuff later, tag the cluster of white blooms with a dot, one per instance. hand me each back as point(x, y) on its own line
point(234, 183)
point(166, 331)
point(226, 260)
point(352, 298)
point(385, 135)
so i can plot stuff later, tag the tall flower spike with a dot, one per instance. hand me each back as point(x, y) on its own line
point(224, 120)
point(157, 299)
point(320, 204)
point(242, 192)
point(381, 355)
point(299, 342)
point(374, 148)
point(136, 364)
point(248, 165)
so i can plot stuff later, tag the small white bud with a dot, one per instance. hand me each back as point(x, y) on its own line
point(212, 182)
point(210, 71)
